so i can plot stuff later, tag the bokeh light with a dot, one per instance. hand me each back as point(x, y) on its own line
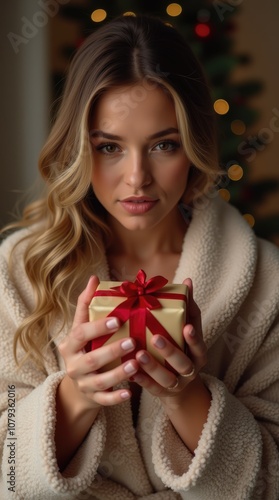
point(250, 219)
point(129, 13)
point(238, 127)
point(98, 15)
point(202, 30)
point(235, 172)
point(221, 106)
point(225, 194)
point(174, 9)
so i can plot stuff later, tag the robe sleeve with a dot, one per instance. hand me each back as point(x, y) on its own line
point(28, 416)
point(237, 454)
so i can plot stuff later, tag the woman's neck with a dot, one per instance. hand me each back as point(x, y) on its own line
point(165, 238)
point(154, 251)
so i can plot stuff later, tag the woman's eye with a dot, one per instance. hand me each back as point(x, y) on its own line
point(167, 146)
point(108, 149)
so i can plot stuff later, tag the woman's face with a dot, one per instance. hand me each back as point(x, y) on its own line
point(140, 168)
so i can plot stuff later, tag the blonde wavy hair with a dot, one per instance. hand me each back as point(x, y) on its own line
point(68, 224)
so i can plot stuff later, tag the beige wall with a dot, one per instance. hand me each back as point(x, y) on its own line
point(24, 99)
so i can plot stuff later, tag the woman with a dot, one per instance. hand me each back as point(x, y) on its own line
point(131, 155)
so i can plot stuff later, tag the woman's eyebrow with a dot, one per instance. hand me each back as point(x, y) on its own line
point(107, 135)
point(162, 133)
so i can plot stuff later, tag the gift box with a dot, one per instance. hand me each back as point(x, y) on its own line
point(144, 308)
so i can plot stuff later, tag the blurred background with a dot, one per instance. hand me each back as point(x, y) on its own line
point(237, 42)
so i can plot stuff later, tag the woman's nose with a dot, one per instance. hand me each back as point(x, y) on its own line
point(137, 172)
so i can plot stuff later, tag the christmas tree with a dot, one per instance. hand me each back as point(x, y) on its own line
point(209, 27)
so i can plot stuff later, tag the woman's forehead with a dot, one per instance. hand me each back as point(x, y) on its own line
point(124, 106)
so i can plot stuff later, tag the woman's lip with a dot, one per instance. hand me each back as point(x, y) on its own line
point(138, 199)
point(138, 207)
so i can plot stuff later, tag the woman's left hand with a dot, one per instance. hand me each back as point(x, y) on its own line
point(160, 381)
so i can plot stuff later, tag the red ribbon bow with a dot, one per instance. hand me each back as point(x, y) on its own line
point(141, 297)
point(140, 291)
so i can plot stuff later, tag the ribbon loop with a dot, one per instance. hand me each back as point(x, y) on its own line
point(141, 288)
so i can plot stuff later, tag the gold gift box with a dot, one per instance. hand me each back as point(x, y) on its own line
point(171, 315)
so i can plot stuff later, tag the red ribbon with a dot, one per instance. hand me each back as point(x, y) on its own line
point(142, 296)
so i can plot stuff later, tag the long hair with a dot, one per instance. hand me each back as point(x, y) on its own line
point(69, 229)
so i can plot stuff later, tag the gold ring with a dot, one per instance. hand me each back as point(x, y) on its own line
point(174, 386)
point(186, 375)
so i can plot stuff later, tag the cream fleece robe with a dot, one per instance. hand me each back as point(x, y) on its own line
point(236, 284)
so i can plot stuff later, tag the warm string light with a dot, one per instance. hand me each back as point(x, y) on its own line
point(238, 127)
point(129, 13)
point(235, 172)
point(98, 15)
point(174, 9)
point(250, 219)
point(225, 194)
point(221, 106)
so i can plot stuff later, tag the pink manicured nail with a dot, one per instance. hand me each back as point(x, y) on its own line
point(138, 378)
point(125, 395)
point(127, 344)
point(144, 358)
point(89, 281)
point(129, 368)
point(112, 324)
point(160, 342)
point(192, 332)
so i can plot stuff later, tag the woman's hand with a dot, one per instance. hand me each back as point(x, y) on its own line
point(83, 390)
point(160, 381)
point(91, 387)
point(185, 398)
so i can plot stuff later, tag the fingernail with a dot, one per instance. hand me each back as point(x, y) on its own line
point(144, 358)
point(160, 342)
point(112, 324)
point(129, 368)
point(125, 395)
point(127, 344)
point(89, 281)
point(139, 378)
point(192, 332)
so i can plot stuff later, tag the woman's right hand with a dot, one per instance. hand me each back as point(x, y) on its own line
point(92, 388)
